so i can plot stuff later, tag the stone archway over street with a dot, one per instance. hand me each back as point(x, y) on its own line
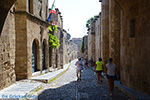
point(5, 6)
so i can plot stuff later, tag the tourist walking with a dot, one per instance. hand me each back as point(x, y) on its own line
point(111, 69)
point(99, 69)
point(86, 63)
point(79, 68)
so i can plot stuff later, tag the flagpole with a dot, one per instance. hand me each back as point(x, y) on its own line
point(53, 4)
point(49, 18)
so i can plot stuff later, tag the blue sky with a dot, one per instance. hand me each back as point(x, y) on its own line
point(75, 14)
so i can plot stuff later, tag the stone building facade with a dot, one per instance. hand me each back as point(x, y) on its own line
point(56, 53)
point(31, 37)
point(95, 39)
point(78, 42)
point(129, 40)
point(72, 50)
point(67, 50)
point(125, 38)
point(24, 40)
point(134, 40)
point(98, 37)
point(105, 29)
point(66, 38)
point(85, 54)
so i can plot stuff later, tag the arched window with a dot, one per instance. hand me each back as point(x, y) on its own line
point(44, 56)
point(132, 28)
point(34, 57)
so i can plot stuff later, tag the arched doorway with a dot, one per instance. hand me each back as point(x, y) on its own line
point(44, 56)
point(34, 57)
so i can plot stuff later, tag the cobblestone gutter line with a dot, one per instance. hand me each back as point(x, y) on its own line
point(91, 69)
point(50, 81)
point(33, 95)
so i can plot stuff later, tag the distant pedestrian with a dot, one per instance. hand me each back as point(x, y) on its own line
point(99, 69)
point(69, 60)
point(91, 62)
point(86, 63)
point(79, 67)
point(111, 69)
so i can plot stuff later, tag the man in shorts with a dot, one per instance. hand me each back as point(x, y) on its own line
point(79, 68)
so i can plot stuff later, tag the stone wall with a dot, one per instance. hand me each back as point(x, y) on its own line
point(128, 38)
point(5, 6)
point(57, 58)
point(85, 55)
point(40, 35)
point(40, 9)
point(7, 51)
point(125, 38)
point(61, 49)
point(91, 42)
point(115, 33)
point(135, 45)
point(98, 37)
point(21, 29)
point(65, 47)
point(21, 46)
point(72, 50)
point(78, 42)
point(105, 29)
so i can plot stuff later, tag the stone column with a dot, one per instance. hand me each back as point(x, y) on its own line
point(47, 56)
point(54, 58)
point(114, 33)
point(93, 47)
point(105, 30)
point(21, 47)
point(62, 44)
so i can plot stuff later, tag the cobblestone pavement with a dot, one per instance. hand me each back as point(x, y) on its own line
point(67, 88)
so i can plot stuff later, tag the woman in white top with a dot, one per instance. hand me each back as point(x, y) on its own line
point(79, 68)
point(111, 69)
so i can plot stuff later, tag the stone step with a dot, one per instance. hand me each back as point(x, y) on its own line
point(20, 89)
point(47, 77)
point(27, 89)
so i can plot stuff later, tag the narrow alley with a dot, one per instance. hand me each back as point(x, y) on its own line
point(40, 41)
point(67, 87)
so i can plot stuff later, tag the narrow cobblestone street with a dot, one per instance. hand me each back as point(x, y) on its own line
point(40, 41)
point(67, 88)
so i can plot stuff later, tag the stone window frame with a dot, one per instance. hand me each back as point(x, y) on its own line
point(30, 6)
point(40, 12)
